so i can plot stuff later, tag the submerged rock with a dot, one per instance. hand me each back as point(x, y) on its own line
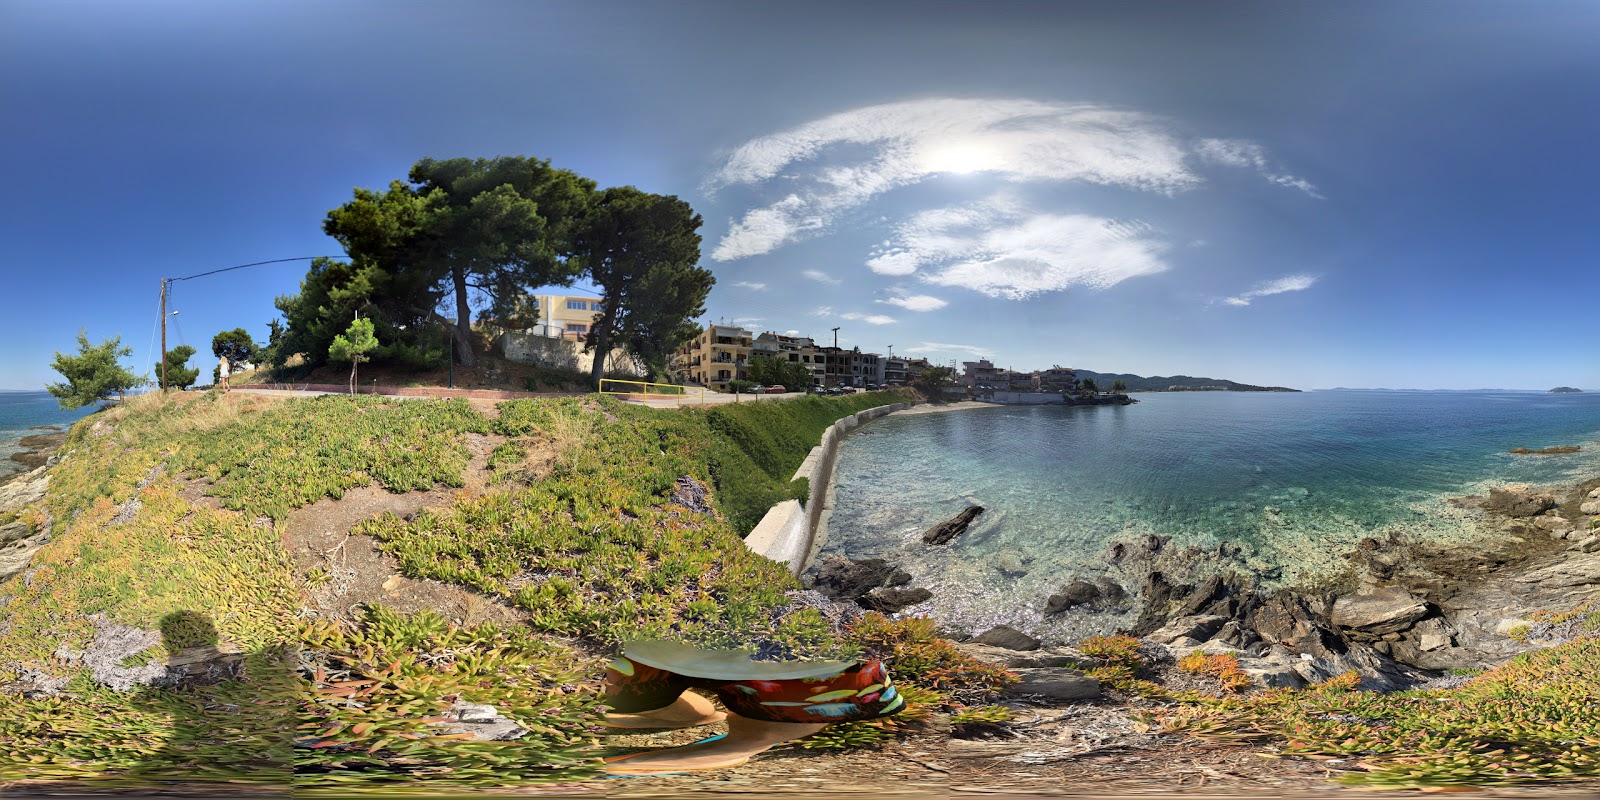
point(842, 579)
point(948, 530)
point(1518, 502)
point(892, 599)
point(1007, 637)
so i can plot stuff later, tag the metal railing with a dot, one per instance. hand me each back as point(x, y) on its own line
point(644, 391)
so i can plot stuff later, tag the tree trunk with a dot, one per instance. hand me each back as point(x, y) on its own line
point(352, 377)
point(600, 340)
point(463, 327)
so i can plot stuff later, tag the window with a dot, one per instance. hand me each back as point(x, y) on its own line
point(577, 327)
point(577, 305)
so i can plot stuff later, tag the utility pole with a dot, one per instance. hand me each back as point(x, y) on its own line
point(835, 355)
point(163, 334)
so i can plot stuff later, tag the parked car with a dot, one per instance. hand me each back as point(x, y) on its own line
point(778, 389)
point(847, 390)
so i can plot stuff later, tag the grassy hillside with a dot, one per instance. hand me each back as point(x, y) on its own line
point(600, 520)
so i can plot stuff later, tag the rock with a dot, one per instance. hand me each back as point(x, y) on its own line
point(892, 599)
point(1518, 502)
point(1269, 675)
point(1589, 544)
point(1205, 599)
point(1589, 507)
point(482, 723)
point(1007, 637)
point(1561, 450)
point(945, 531)
point(1010, 563)
point(1284, 619)
point(1553, 523)
point(1056, 684)
point(1014, 659)
point(1377, 671)
point(1077, 593)
point(842, 579)
point(1378, 611)
point(1198, 628)
point(1579, 570)
point(472, 712)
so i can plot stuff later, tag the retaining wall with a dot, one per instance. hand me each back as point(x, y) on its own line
point(793, 533)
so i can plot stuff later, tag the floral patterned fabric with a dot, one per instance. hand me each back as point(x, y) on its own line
point(862, 691)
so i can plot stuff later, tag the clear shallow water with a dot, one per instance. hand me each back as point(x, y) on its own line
point(1295, 479)
point(21, 411)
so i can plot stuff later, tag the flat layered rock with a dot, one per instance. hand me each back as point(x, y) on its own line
point(1056, 683)
point(1379, 611)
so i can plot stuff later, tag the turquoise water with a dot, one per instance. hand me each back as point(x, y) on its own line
point(21, 411)
point(1294, 479)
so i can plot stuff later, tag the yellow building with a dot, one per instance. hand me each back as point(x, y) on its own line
point(567, 316)
point(720, 353)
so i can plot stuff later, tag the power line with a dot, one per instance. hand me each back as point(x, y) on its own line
point(242, 266)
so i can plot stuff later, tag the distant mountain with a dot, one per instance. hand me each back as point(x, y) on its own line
point(1176, 383)
point(1565, 390)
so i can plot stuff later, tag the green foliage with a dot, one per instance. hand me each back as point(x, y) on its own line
point(1119, 386)
point(375, 690)
point(770, 371)
point(353, 346)
point(178, 373)
point(1089, 386)
point(94, 374)
point(642, 251)
point(741, 386)
point(236, 346)
point(1530, 720)
point(914, 653)
point(933, 381)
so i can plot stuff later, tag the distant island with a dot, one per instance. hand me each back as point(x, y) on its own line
point(1176, 383)
point(1565, 390)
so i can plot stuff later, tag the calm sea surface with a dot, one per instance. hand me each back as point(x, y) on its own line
point(1295, 479)
point(20, 411)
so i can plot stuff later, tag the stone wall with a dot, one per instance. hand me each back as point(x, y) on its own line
point(554, 353)
point(792, 532)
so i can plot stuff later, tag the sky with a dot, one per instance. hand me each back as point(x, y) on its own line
point(1361, 194)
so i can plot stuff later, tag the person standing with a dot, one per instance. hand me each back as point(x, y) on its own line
point(222, 373)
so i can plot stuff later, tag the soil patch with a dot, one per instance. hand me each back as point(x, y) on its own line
point(357, 573)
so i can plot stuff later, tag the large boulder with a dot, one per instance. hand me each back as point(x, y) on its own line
point(1518, 502)
point(1077, 593)
point(890, 599)
point(1284, 619)
point(842, 579)
point(1199, 628)
point(1378, 672)
point(1378, 611)
point(1007, 637)
point(1027, 659)
point(1056, 683)
point(945, 531)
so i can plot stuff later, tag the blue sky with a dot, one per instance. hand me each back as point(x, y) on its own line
point(1312, 195)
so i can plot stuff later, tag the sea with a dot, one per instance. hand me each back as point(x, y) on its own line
point(1292, 480)
point(21, 413)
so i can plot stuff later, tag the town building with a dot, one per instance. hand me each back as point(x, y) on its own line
point(980, 374)
point(719, 354)
point(795, 350)
point(566, 316)
point(1056, 379)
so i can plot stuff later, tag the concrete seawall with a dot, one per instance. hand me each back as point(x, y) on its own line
point(788, 532)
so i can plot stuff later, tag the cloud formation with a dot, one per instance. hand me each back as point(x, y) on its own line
point(871, 319)
point(916, 302)
point(1003, 249)
point(751, 285)
point(820, 277)
point(942, 347)
point(1021, 141)
point(1288, 283)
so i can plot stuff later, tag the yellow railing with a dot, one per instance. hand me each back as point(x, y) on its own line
point(644, 391)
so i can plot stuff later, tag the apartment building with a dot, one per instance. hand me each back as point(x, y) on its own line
point(978, 373)
point(893, 372)
point(793, 349)
point(566, 316)
point(1055, 379)
point(721, 353)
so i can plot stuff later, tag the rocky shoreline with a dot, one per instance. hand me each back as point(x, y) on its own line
point(22, 533)
point(1405, 612)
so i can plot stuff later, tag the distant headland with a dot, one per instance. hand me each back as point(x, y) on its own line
point(1565, 390)
point(1176, 383)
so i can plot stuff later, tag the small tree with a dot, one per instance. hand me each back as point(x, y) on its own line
point(94, 374)
point(1119, 386)
point(236, 345)
point(933, 381)
point(1090, 387)
point(353, 346)
point(178, 373)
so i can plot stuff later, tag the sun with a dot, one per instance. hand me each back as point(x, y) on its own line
point(961, 159)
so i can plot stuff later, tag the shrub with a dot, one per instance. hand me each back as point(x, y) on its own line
point(914, 653)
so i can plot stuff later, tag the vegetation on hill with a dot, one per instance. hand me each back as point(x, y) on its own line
point(603, 521)
point(1178, 383)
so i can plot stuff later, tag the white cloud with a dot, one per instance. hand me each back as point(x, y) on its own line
point(751, 285)
point(1288, 283)
point(916, 302)
point(1001, 248)
point(871, 319)
point(791, 333)
point(821, 277)
point(927, 348)
point(1249, 155)
point(821, 174)
point(743, 321)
